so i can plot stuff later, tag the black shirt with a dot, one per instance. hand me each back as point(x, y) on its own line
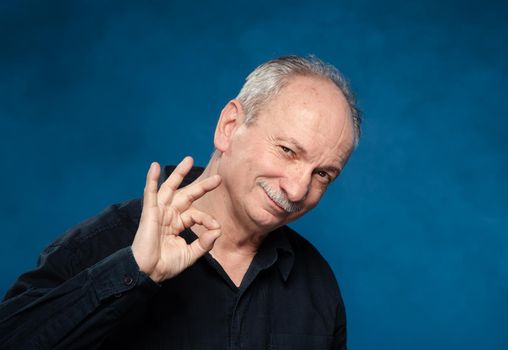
point(87, 292)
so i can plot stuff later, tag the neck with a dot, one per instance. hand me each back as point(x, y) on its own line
point(237, 237)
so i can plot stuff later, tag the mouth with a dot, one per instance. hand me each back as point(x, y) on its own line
point(278, 200)
point(273, 203)
point(278, 209)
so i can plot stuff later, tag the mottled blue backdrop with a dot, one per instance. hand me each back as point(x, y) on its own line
point(416, 229)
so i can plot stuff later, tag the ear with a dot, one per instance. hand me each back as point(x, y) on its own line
point(230, 119)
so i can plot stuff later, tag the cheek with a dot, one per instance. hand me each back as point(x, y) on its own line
point(314, 197)
point(264, 163)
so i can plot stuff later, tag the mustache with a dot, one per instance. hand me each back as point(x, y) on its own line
point(280, 198)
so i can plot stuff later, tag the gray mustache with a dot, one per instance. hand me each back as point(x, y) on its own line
point(280, 198)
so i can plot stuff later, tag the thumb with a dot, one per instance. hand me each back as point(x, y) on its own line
point(204, 244)
point(208, 238)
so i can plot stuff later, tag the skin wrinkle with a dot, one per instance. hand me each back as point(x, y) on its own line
point(300, 149)
point(341, 135)
point(317, 127)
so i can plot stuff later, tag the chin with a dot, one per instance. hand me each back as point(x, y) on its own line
point(268, 221)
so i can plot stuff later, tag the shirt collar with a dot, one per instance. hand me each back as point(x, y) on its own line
point(276, 247)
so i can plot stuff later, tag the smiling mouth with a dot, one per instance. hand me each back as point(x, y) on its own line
point(278, 207)
point(276, 204)
point(278, 199)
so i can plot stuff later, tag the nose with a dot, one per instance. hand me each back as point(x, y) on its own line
point(296, 184)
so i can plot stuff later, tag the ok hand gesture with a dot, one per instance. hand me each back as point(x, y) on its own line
point(157, 248)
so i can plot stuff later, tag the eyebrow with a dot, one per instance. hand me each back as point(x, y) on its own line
point(332, 169)
point(295, 144)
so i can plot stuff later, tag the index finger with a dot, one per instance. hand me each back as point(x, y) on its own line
point(174, 180)
point(184, 198)
point(150, 192)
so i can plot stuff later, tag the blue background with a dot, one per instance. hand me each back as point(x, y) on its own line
point(416, 229)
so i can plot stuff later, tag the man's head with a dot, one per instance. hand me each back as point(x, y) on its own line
point(269, 78)
point(278, 149)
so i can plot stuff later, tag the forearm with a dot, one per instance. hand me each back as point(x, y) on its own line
point(47, 318)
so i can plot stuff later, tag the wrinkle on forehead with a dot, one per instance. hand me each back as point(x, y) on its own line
point(314, 112)
point(346, 145)
point(328, 133)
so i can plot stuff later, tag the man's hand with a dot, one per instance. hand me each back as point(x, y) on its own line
point(158, 249)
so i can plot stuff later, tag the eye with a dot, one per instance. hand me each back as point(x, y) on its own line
point(287, 150)
point(323, 174)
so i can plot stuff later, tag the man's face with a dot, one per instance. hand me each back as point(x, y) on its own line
point(277, 168)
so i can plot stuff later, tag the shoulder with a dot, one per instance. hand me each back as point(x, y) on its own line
point(309, 261)
point(96, 237)
point(116, 216)
point(82, 246)
point(312, 274)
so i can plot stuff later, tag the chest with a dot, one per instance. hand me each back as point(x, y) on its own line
point(235, 268)
point(201, 309)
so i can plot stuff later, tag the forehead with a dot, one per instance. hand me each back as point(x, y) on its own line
point(314, 112)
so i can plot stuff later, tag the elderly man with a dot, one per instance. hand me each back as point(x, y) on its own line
point(205, 260)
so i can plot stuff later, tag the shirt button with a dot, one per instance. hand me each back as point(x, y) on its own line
point(127, 280)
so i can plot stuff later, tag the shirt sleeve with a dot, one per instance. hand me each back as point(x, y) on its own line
point(340, 334)
point(77, 312)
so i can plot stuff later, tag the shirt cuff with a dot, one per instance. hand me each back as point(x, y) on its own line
point(119, 273)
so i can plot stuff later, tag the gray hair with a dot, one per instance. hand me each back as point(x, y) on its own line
point(269, 78)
